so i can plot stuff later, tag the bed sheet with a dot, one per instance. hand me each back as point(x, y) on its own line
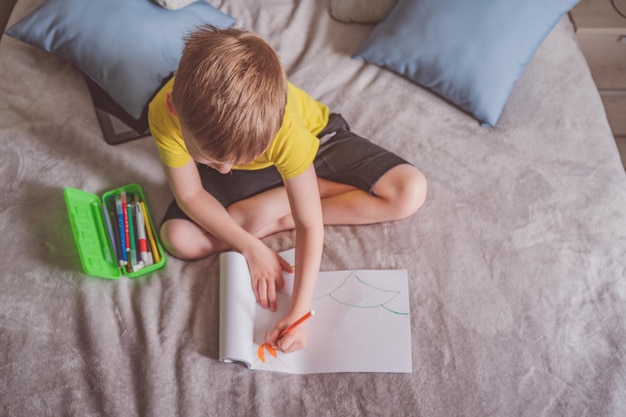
point(516, 261)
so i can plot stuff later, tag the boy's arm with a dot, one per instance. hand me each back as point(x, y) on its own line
point(306, 209)
point(203, 208)
point(208, 213)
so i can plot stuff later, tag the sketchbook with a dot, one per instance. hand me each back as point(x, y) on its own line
point(361, 321)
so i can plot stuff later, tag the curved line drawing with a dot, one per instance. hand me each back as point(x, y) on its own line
point(348, 293)
point(373, 296)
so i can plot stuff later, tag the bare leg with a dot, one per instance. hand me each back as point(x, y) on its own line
point(260, 215)
point(397, 194)
point(186, 240)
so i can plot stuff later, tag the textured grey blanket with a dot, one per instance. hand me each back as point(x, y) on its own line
point(517, 261)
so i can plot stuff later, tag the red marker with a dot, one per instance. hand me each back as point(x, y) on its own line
point(141, 233)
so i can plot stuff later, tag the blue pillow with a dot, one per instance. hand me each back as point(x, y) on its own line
point(128, 47)
point(469, 52)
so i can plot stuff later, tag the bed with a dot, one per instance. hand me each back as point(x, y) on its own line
point(516, 262)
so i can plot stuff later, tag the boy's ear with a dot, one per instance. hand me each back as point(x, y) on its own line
point(170, 104)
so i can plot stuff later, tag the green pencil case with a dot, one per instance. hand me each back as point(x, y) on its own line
point(93, 234)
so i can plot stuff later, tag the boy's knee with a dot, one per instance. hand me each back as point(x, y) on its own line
point(179, 238)
point(251, 216)
point(170, 239)
point(240, 213)
point(419, 190)
point(410, 191)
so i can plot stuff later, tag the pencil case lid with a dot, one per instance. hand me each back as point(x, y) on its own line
point(86, 218)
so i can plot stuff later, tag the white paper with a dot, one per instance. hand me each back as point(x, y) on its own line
point(237, 309)
point(361, 321)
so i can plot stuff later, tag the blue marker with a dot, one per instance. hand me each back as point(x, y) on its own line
point(120, 218)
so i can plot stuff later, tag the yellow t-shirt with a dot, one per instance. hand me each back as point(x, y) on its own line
point(292, 150)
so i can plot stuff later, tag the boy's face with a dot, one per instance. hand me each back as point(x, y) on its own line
point(222, 168)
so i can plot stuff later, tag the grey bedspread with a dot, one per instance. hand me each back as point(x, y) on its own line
point(517, 261)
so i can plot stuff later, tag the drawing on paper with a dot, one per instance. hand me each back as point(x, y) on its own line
point(351, 293)
point(354, 291)
point(362, 322)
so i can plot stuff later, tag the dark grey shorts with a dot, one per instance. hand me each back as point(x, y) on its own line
point(343, 157)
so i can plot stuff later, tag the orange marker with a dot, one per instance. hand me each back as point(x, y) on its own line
point(295, 324)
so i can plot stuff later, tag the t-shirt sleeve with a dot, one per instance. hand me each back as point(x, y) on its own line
point(172, 151)
point(168, 139)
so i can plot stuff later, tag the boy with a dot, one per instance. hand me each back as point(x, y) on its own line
point(248, 154)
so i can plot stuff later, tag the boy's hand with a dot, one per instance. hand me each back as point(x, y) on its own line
point(288, 342)
point(266, 268)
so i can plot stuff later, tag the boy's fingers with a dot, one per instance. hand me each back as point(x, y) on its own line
point(289, 343)
point(280, 282)
point(271, 296)
point(284, 265)
point(284, 343)
point(255, 289)
point(271, 337)
point(263, 293)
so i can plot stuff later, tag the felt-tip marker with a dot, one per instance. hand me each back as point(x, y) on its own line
point(124, 210)
point(120, 220)
point(153, 245)
point(131, 236)
point(141, 234)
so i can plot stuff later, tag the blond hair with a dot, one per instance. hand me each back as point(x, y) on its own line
point(229, 92)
